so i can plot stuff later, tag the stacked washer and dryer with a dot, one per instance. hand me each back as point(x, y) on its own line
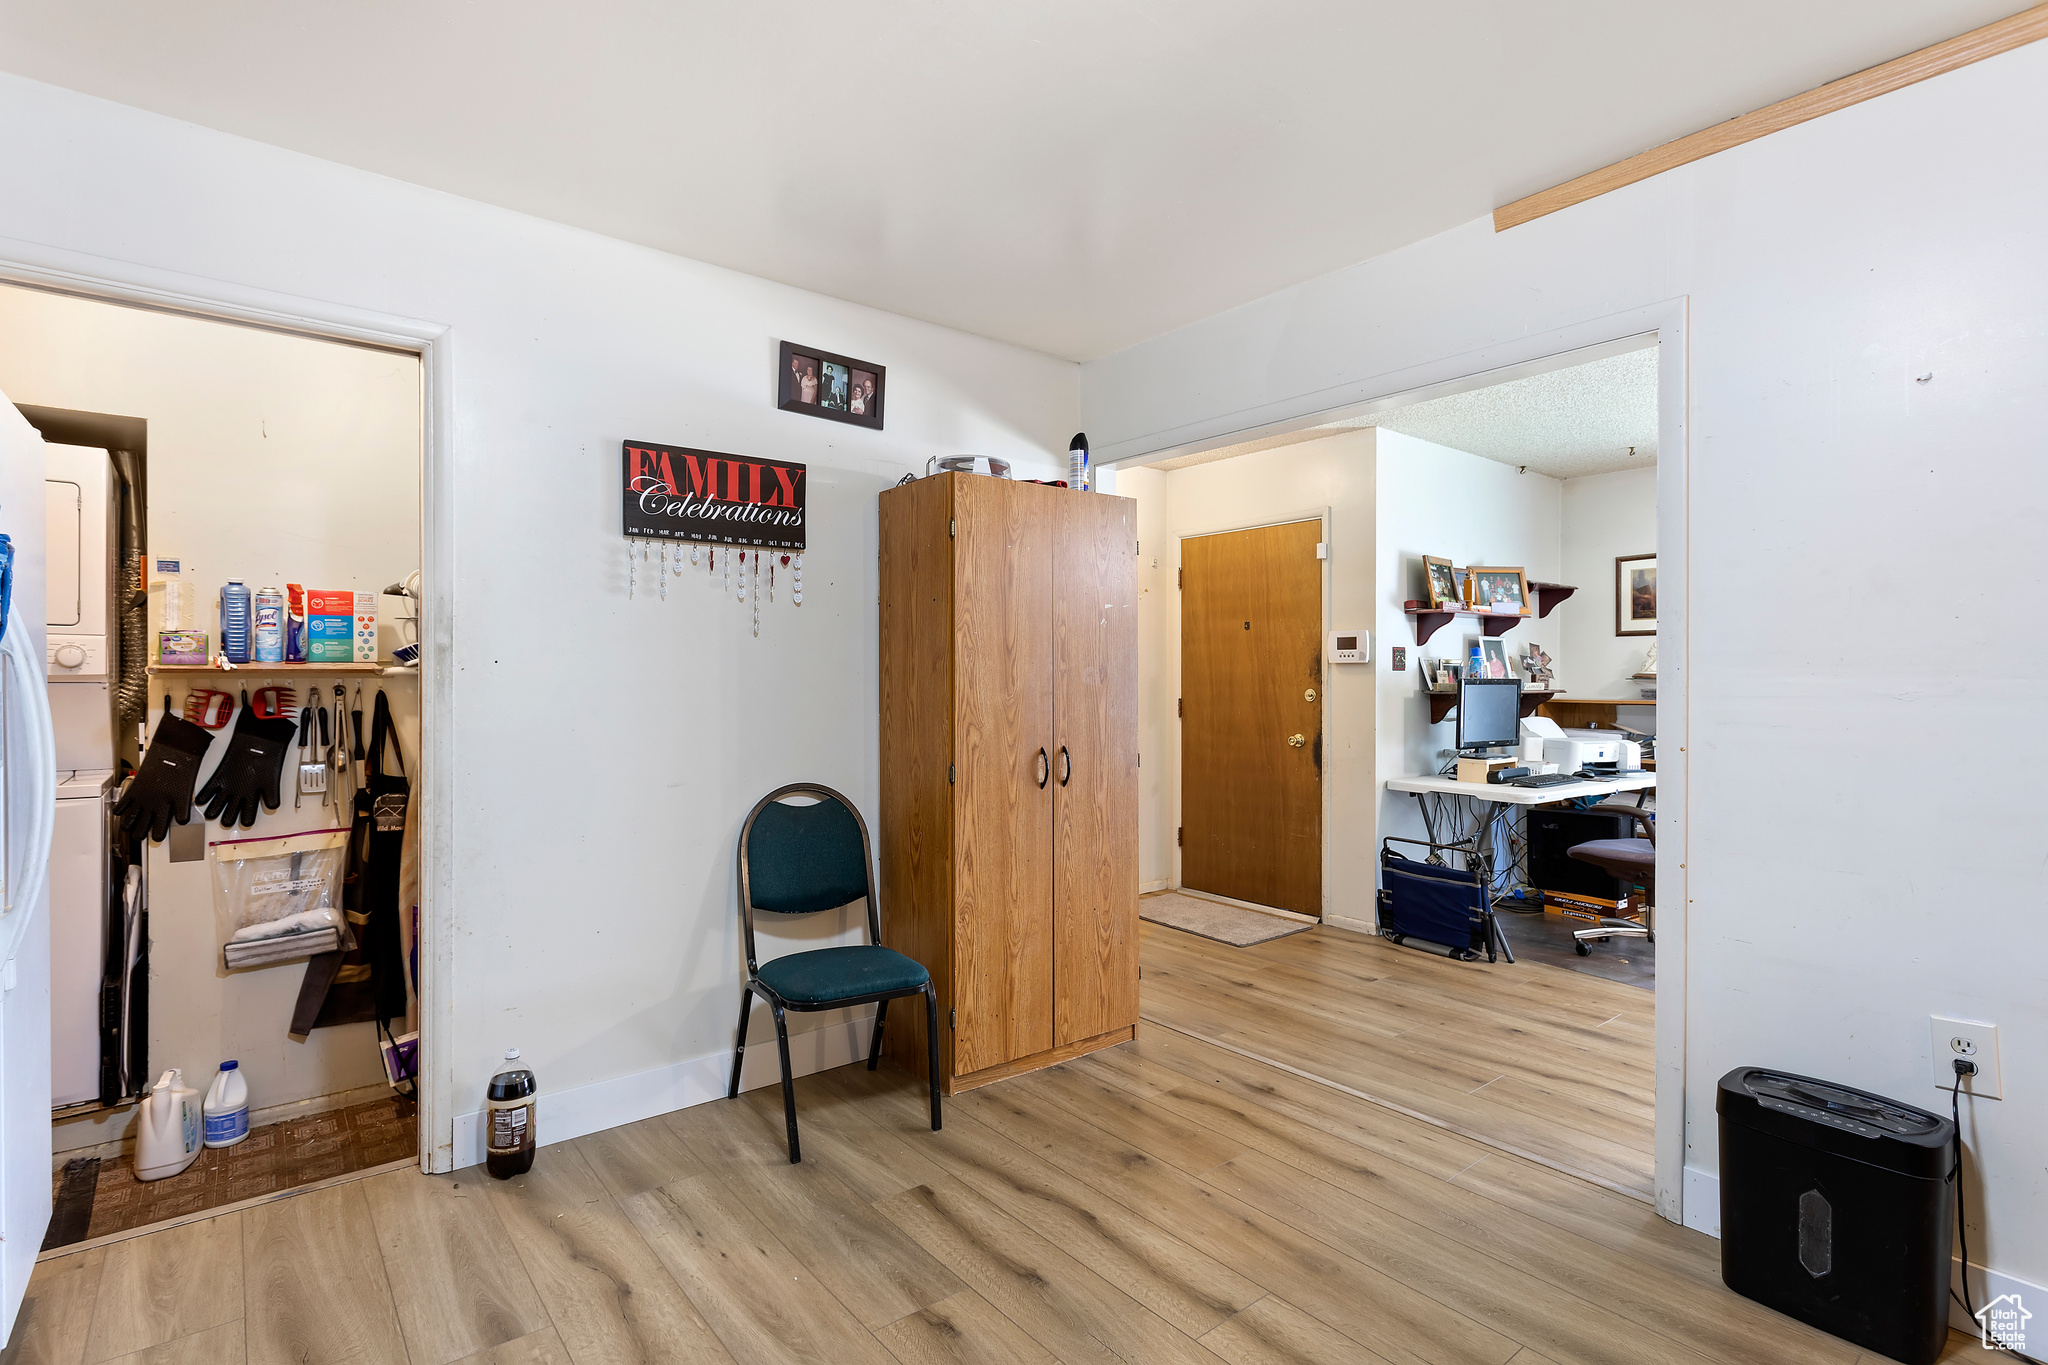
point(95, 895)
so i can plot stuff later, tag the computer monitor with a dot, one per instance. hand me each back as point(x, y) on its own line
point(1489, 713)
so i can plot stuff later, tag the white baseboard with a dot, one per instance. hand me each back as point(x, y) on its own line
point(1356, 926)
point(565, 1114)
point(1163, 884)
point(1702, 1210)
point(1987, 1284)
point(1700, 1202)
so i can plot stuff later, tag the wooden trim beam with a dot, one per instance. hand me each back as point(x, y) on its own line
point(2002, 36)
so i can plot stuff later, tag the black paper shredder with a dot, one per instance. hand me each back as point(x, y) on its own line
point(1837, 1208)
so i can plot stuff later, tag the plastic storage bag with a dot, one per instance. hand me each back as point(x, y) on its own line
point(279, 899)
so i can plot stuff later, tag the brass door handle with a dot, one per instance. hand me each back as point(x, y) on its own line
point(1297, 740)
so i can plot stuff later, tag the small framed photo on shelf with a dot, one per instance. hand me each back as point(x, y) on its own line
point(1635, 595)
point(1499, 590)
point(835, 387)
point(1443, 582)
point(1493, 658)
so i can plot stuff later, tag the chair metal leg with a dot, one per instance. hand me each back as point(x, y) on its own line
point(739, 1047)
point(931, 1033)
point(788, 1083)
point(875, 1043)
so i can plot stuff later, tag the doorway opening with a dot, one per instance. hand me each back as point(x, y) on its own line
point(210, 463)
point(1539, 488)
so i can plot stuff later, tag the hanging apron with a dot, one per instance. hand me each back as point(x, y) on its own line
point(366, 982)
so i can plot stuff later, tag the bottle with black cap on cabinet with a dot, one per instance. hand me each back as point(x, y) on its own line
point(509, 1120)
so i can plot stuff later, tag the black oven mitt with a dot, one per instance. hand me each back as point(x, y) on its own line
point(249, 771)
point(161, 790)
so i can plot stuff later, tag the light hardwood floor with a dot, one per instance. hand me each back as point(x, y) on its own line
point(1546, 1063)
point(1167, 1200)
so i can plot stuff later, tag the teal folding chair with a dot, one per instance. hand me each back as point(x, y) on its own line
point(800, 860)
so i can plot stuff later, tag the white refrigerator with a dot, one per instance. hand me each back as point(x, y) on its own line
point(27, 812)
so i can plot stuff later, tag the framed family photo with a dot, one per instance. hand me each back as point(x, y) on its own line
point(835, 387)
point(1499, 590)
point(1443, 581)
point(1635, 595)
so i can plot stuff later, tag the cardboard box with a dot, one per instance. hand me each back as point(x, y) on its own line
point(330, 639)
point(181, 647)
point(328, 602)
point(365, 628)
point(1476, 769)
point(1591, 909)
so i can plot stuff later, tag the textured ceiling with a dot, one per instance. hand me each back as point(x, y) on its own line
point(1582, 419)
point(1070, 175)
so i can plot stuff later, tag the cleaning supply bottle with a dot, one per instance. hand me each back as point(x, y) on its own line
point(1077, 462)
point(509, 1120)
point(267, 626)
point(167, 1134)
point(294, 623)
point(234, 621)
point(227, 1107)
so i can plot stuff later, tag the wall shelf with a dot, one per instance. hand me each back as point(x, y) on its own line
point(1442, 704)
point(1493, 623)
point(254, 668)
point(1548, 595)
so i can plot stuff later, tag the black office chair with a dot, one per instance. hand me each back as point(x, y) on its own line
point(799, 860)
point(1630, 860)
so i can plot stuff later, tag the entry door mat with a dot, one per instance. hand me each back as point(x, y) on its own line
point(1231, 924)
point(277, 1156)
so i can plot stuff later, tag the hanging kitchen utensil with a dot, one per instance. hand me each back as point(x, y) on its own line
point(274, 703)
point(209, 709)
point(355, 716)
point(312, 776)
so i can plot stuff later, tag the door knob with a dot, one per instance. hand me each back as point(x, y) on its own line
point(1297, 740)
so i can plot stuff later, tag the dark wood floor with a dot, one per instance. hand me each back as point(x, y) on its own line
point(1165, 1201)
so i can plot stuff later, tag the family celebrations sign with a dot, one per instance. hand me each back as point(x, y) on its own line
point(674, 493)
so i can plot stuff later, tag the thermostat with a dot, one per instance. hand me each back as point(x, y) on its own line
point(1350, 647)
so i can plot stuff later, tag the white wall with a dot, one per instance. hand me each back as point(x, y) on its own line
point(1605, 516)
point(605, 749)
point(1826, 268)
point(1437, 501)
point(1333, 475)
point(272, 458)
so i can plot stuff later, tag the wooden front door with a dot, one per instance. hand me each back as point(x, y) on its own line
point(1251, 716)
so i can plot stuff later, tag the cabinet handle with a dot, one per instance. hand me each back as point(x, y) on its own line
point(1044, 769)
point(1066, 765)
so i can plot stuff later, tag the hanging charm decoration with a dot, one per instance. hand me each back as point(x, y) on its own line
point(630, 567)
point(664, 573)
point(796, 591)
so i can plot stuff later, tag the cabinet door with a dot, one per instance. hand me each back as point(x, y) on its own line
point(1095, 716)
point(1002, 816)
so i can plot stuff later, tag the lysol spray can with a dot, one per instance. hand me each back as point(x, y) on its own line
point(1077, 462)
point(234, 622)
point(269, 626)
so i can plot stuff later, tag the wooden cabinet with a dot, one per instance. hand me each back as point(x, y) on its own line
point(1009, 726)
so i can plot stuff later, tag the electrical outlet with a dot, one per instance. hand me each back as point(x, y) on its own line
point(1972, 1041)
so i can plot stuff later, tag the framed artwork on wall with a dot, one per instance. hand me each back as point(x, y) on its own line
point(835, 387)
point(1635, 595)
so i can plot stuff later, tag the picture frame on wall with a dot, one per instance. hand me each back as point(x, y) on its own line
point(838, 388)
point(1499, 590)
point(1635, 594)
point(1442, 580)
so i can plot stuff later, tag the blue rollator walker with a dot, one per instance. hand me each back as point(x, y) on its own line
point(1429, 900)
point(799, 860)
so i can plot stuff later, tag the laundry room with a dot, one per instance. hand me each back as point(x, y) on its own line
point(234, 547)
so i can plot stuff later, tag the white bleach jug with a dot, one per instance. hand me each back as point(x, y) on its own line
point(167, 1138)
point(227, 1107)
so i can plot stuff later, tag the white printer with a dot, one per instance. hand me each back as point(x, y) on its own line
point(1544, 742)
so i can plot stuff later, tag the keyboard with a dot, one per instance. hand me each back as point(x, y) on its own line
point(1544, 780)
